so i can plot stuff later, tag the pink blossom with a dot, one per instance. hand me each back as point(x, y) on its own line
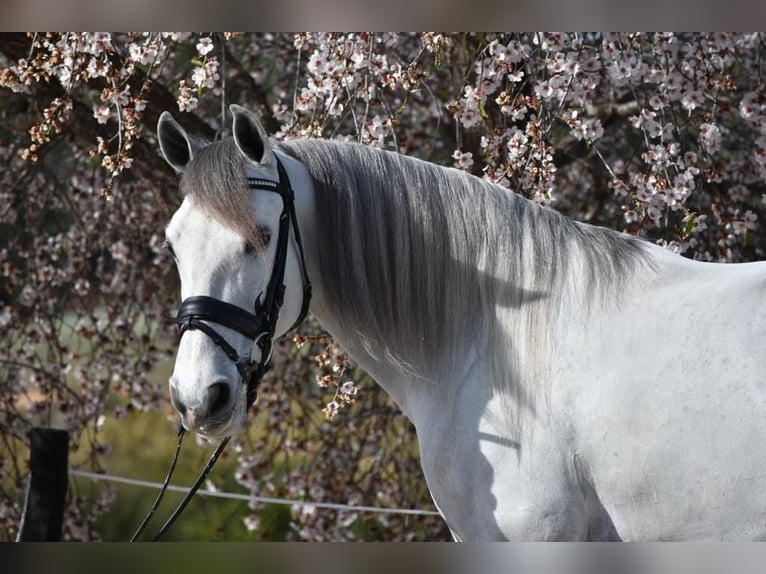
point(102, 114)
point(204, 46)
point(463, 160)
point(710, 136)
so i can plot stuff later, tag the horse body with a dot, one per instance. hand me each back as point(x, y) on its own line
point(611, 391)
point(654, 434)
point(669, 419)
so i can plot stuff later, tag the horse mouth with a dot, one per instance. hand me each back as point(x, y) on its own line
point(211, 429)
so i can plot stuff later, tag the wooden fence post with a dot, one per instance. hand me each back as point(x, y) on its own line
point(43, 517)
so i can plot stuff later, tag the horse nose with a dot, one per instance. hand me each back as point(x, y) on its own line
point(213, 408)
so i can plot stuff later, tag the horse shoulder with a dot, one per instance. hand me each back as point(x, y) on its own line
point(491, 483)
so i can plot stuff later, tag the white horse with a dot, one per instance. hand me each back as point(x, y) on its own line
point(565, 381)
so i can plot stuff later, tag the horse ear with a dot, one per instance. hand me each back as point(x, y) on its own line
point(249, 135)
point(175, 144)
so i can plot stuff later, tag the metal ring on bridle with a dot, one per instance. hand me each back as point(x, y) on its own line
point(270, 348)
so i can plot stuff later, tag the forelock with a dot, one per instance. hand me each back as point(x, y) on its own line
point(215, 179)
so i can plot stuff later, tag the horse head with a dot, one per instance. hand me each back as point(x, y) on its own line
point(237, 248)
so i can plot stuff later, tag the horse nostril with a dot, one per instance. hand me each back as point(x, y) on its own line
point(216, 399)
point(176, 402)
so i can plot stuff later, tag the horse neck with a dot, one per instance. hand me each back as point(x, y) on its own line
point(404, 384)
point(490, 266)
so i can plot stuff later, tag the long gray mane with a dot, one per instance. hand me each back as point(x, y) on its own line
point(419, 260)
point(413, 254)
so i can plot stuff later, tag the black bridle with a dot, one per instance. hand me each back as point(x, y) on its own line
point(198, 311)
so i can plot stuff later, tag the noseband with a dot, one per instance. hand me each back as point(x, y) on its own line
point(197, 312)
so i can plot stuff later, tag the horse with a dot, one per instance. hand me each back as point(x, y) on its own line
point(565, 381)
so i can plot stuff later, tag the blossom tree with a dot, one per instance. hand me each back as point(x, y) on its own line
point(662, 136)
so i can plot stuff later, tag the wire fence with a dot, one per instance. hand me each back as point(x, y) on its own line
point(251, 497)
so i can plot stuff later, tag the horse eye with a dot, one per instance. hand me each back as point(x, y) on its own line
point(264, 234)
